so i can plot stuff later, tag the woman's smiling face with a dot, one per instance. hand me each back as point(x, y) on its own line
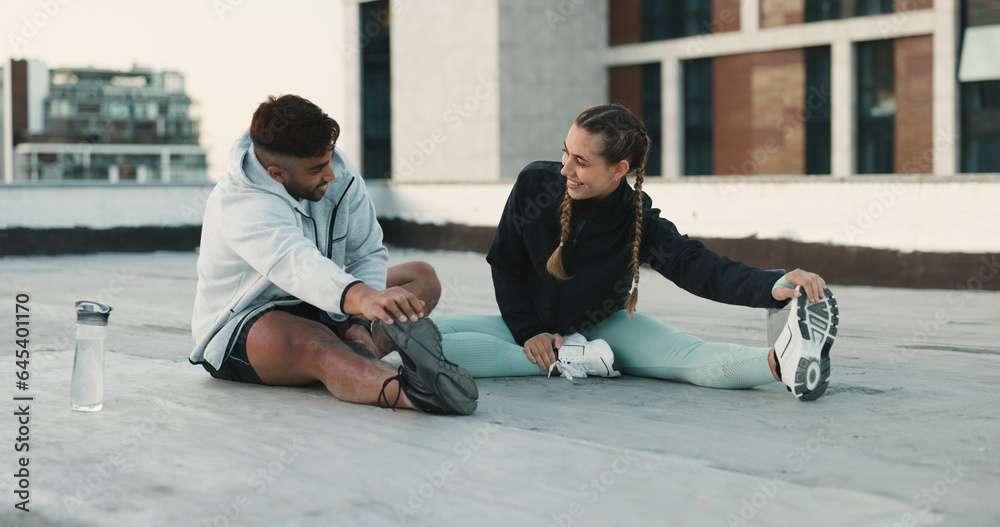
point(587, 174)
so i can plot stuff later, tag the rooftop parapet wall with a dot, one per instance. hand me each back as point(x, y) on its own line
point(901, 213)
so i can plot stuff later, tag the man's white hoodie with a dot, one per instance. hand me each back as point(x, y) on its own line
point(260, 247)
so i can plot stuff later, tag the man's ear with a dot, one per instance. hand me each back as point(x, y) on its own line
point(277, 174)
point(619, 170)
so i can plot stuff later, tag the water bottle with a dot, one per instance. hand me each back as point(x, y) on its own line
point(86, 392)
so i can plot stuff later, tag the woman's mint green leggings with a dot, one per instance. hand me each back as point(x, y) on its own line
point(644, 346)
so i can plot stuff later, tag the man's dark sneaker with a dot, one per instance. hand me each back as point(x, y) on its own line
point(803, 348)
point(432, 382)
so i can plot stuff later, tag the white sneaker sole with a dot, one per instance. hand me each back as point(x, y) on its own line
point(817, 327)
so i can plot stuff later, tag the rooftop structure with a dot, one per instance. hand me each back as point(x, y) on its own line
point(102, 125)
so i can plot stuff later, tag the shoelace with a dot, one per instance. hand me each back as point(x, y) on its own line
point(568, 370)
point(381, 395)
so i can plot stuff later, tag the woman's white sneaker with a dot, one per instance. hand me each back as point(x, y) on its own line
point(579, 357)
point(803, 348)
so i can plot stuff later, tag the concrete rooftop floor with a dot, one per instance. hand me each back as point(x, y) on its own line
point(907, 433)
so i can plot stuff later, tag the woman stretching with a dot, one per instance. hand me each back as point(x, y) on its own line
point(566, 261)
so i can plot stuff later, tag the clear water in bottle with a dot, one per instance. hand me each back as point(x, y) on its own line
point(86, 393)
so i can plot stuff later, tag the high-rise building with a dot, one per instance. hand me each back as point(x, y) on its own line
point(727, 87)
point(102, 125)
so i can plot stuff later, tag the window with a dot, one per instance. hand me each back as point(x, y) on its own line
point(61, 108)
point(652, 116)
point(116, 110)
point(819, 10)
point(376, 90)
point(178, 109)
point(89, 108)
point(981, 126)
point(874, 7)
point(876, 109)
point(817, 110)
point(698, 117)
point(980, 87)
point(665, 19)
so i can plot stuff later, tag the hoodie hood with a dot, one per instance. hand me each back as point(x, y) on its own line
point(245, 170)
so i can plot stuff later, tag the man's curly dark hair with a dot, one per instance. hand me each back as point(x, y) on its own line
point(292, 126)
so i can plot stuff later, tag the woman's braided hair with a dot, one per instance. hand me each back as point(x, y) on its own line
point(625, 138)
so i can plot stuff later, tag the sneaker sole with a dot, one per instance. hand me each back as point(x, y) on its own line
point(818, 324)
point(420, 341)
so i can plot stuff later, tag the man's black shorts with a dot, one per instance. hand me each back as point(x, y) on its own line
point(236, 366)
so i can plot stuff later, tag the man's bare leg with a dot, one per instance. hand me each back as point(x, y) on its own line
point(286, 350)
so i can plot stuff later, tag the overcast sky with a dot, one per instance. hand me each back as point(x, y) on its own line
point(233, 53)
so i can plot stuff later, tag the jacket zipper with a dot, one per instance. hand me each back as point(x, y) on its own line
point(329, 252)
point(333, 220)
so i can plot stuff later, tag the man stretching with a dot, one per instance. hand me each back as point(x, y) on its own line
point(292, 274)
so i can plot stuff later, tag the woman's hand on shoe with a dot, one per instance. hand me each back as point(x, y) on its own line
point(812, 283)
point(539, 349)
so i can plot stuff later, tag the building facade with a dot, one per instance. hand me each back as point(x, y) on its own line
point(759, 87)
point(87, 124)
point(865, 110)
point(438, 92)
point(814, 87)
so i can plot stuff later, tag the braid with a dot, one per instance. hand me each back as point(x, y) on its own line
point(555, 264)
point(625, 138)
point(633, 298)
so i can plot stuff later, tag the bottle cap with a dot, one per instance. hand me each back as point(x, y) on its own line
point(92, 313)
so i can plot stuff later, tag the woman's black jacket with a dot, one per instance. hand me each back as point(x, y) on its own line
point(598, 256)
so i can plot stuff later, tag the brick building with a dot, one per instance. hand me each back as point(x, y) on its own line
point(780, 87)
point(814, 87)
point(865, 110)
